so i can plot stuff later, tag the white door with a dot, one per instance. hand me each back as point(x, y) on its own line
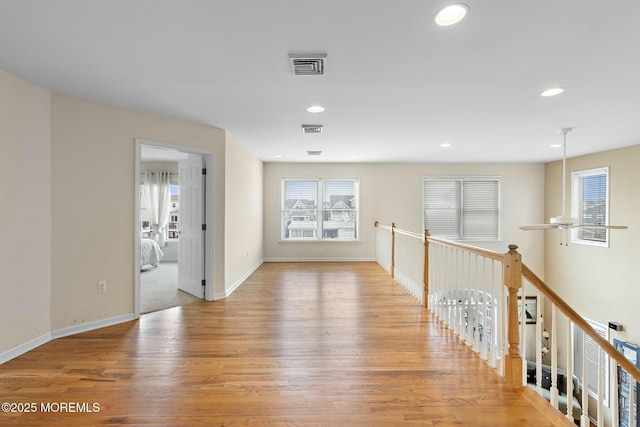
point(191, 240)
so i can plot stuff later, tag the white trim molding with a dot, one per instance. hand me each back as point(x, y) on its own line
point(90, 326)
point(241, 280)
point(25, 347)
point(60, 333)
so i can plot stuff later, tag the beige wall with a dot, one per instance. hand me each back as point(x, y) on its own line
point(243, 206)
point(393, 193)
point(600, 283)
point(25, 212)
point(93, 158)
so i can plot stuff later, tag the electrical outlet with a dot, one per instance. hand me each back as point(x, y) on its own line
point(102, 287)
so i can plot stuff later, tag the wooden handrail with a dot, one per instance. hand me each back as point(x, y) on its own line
point(409, 233)
point(573, 316)
point(386, 227)
point(479, 251)
point(398, 230)
point(484, 252)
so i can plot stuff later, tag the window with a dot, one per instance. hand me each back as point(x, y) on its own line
point(173, 228)
point(462, 208)
point(590, 205)
point(320, 209)
point(592, 361)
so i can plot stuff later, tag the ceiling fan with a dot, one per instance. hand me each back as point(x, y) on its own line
point(564, 222)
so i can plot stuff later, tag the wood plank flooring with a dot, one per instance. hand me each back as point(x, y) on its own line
point(309, 344)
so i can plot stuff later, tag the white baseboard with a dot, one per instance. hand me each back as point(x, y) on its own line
point(244, 277)
point(23, 348)
point(59, 333)
point(90, 326)
point(219, 295)
point(319, 259)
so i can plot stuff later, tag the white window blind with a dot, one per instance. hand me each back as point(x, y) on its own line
point(319, 209)
point(590, 200)
point(462, 208)
point(592, 361)
point(339, 209)
point(299, 209)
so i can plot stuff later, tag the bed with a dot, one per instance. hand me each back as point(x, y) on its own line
point(150, 252)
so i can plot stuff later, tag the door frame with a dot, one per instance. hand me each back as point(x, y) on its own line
point(207, 157)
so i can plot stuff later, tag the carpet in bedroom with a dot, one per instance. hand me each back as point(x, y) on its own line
point(159, 288)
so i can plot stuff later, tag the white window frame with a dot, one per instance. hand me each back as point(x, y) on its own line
point(176, 230)
point(462, 235)
point(318, 231)
point(577, 203)
point(592, 351)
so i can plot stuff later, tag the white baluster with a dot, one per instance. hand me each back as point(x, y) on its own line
point(632, 398)
point(436, 263)
point(454, 299)
point(614, 398)
point(437, 269)
point(491, 318)
point(539, 329)
point(460, 294)
point(554, 361)
point(600, 388)
point(584, 419)
point(484, 305)
point(463, 298)
point(476, 293)
point(523, 337)
point(450, 279)
point(569, 372)
point(498, 319)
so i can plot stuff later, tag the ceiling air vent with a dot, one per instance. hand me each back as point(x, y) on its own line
point(314, 153)
point(311, 129)
point(308, 64)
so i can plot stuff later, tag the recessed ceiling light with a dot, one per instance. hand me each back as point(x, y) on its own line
point(445, 145)
point(279, 156)
point(451, 14)
point(552, 92)
point(315, 109)
point(556, 146)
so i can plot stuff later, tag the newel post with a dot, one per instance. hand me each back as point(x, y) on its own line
point(512, 277)
point(393, 249)
point(426, 268)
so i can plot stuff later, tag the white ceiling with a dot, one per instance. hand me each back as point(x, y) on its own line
point(396, 85)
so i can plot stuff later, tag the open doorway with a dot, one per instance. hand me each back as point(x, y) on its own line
point(172, 188)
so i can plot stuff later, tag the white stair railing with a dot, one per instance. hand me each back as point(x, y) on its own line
point(466, 294)
point(409, 262)
point(383, 246)
point(474, 291)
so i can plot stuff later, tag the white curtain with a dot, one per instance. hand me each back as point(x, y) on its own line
point(157, 192)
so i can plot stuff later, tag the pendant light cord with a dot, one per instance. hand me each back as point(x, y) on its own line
point(564, 169)
point(564, 131)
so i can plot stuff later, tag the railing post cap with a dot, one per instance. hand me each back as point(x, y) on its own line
point(513, 248)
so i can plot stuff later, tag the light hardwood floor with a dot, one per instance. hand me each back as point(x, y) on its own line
point(333, 344)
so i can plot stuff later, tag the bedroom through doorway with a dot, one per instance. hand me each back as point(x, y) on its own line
point(171, 240)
